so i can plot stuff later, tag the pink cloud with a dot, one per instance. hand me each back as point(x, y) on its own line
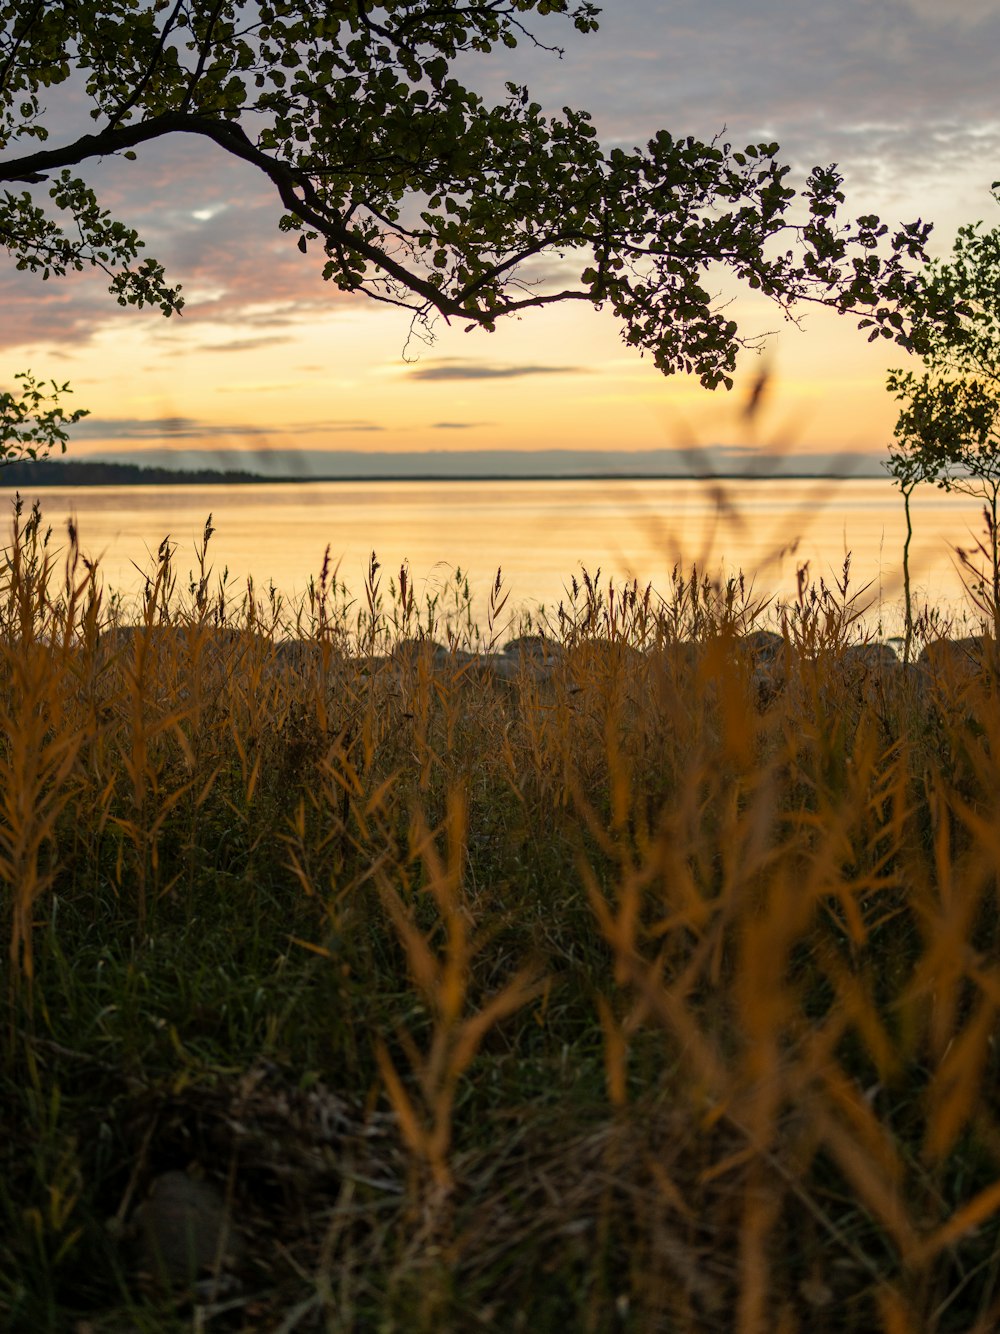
point(213, 224)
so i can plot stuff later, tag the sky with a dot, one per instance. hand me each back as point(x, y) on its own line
point(901, 94)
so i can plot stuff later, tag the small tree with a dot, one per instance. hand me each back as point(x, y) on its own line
point(937, 419)
point(907, 470)
point(32, 420)
point(948, 430)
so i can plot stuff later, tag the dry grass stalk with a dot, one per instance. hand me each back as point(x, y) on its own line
point(671, 949)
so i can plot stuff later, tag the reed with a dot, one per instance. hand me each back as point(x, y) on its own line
point(649, 983)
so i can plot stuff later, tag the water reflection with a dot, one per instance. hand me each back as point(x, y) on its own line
point(539, 532)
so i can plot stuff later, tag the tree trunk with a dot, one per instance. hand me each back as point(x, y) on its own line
point(907, 600)
point(995, 557)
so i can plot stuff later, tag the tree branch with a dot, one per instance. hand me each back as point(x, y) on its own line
point(143, 83)
point(204, 49)
point(29, 23)
point(234, 139)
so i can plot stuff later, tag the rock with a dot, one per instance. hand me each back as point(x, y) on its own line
point(184, 1233)
point(535, 648)
point(683, 655)
point(958, 659)
point(603, 656)
point(413, 651)
point(296, 655)
point(500, 666)
point(535, 645)
point(764, 646)
point(915, 681)
point(600, 672)
point(871, 657)
point(527, 658)
point(412, 656)
point(216, 641)
point(769, 656)
point(867, 669)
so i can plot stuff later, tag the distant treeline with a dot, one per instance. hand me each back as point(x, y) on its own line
point(25, 475)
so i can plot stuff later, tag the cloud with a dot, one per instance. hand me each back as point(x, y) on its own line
point(61, 313)
point(454, 368)
point(190, 428)
point(813, 77)
point(455, 426)
point(155, 428)
point(244, 344)
point(338, 426)
point(956, 11)
point(213, 223)
point(263, 387)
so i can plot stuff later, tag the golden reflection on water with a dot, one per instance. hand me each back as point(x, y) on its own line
point(540, 533)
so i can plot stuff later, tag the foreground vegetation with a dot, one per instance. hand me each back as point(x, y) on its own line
point(651, 986)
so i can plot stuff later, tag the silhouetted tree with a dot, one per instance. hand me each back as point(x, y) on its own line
point(948, 430)
point(408, 185)
point(907, 474)
point(33, 421)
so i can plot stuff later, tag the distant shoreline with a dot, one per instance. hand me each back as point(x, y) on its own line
point(22, 475)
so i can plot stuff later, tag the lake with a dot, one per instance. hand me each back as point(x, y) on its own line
point(539, 532)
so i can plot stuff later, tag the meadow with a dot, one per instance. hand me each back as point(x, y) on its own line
point(643, 976)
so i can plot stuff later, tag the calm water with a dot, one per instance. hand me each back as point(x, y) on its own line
point(540, 533)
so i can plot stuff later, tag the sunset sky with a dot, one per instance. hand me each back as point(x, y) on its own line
point(900, 93)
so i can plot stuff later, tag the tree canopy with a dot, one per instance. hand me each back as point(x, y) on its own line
point(408, 186)
point(948, 428)
point(33, 421)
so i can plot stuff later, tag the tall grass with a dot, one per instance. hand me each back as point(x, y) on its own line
point(652, 985)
